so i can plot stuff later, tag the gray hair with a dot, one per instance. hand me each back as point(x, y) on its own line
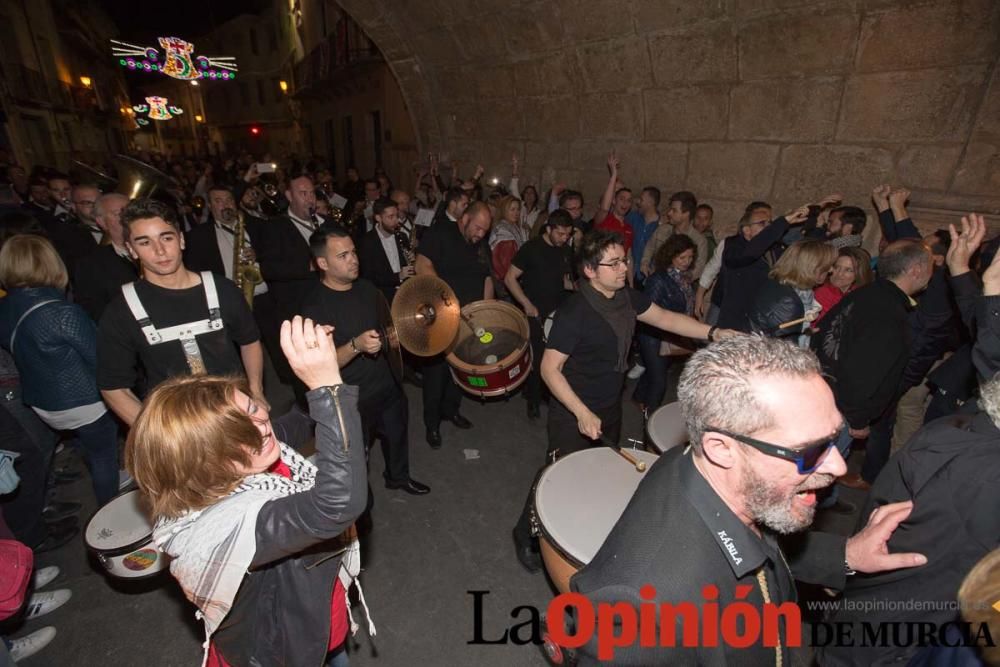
point(717, 385)
point(103, 199)
point(989, 398)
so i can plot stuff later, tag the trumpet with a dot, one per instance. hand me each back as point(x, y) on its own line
point(246, 270)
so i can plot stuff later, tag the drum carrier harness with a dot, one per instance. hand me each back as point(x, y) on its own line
point(186, 333)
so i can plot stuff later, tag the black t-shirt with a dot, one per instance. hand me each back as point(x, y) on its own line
point(580, 332)
point(121, 345)
point(352, 313)
point(463, 265)
point(544, 266)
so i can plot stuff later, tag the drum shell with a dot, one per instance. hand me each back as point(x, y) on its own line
point(507, 374)
point(138, 559)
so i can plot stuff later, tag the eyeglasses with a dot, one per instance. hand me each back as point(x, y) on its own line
point(807, 459)
point(614, 264)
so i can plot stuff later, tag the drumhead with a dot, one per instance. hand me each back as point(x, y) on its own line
point(667, 427)
point(580, 498)
point(123, 524)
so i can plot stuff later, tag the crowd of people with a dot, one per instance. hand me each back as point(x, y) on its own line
point(156, 335)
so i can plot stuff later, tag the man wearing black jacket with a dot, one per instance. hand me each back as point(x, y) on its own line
point(864, 345)
point(382, 255)
point(747, 259)
point(706, 517)
point(949, 471)
point(98, 277)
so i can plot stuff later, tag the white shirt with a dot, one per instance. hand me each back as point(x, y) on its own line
point(305, 227)
point(227, 247)
point(713, 266)
point(389, 245)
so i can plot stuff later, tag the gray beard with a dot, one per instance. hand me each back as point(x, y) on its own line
point(772, 508)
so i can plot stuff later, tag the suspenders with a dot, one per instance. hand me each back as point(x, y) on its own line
point(186, 333)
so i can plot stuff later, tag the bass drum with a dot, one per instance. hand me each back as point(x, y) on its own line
point(491, 354)
point(120, 535)
point(578, 500)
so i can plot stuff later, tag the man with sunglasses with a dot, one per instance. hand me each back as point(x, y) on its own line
point(709, 514)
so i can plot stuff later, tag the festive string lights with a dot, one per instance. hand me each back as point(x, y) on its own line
point(177, 60)
point(155, 108)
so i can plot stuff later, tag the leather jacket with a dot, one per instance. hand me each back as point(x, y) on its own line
point(55, 348)
point(281, 616)
point(775, 304)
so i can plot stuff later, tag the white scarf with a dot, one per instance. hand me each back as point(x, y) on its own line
point(212, 548)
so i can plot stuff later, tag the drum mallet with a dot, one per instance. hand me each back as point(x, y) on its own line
point(640, 466)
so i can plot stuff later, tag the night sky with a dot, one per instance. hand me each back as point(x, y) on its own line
point(188, 19)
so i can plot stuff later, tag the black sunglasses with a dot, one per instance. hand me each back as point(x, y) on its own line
point(807, 459)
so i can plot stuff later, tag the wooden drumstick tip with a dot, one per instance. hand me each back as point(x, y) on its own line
point(640, 466)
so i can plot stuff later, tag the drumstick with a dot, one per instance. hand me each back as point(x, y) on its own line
point(640, 466)
point(792, 323)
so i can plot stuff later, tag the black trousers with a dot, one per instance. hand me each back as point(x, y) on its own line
point(442, 397)
point(23, 432)
point(388, 420)
point(533, 385)
point(565, 438)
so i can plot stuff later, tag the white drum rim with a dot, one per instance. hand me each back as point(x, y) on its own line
point(124, 550)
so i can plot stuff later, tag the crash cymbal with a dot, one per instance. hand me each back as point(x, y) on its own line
point(426, 313)
point(390, 341)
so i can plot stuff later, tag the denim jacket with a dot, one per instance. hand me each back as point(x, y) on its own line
point(55, 349)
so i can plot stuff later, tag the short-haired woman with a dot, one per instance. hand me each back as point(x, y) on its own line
point(853, 269)
point(669, 287)
point(787, 295)
point(54, 345)
point(251, 524)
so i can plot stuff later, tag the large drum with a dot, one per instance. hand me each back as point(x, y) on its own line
point(120, 535)
point(666, 428)
point(578, 500)
point(491, 355)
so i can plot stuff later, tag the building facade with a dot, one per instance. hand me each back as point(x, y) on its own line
point(61, 96)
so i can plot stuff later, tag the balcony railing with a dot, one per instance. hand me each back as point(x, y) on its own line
point(336, 56)
point(29, 86)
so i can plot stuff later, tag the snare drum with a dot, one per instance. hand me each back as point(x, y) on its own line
point(491, 355)
point(120, 535)
point(666, 428)
point(578, 500)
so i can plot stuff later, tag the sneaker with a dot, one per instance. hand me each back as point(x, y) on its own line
point(45, 575)
point(124, 479)
point(636, 372)
point(29, 645)
point(43, 603)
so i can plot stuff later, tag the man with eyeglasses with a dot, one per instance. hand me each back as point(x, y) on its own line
point(586, 357)
point(709, 514)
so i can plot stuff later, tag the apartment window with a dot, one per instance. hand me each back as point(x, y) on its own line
point(349, 141)
point(276, 90)
point(272, 39)
point(244, 93)
point(260, 92)
point(253, 42)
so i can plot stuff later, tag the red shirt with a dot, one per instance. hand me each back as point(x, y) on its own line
point(827, 296)
point(613, 224)
point(338, 603)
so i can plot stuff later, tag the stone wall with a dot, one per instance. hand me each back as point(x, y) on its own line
point(781, 100)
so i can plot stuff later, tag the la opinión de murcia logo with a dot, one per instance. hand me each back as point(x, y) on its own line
point(704, 623)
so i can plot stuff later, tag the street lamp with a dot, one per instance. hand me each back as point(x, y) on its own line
point(199, 118)
point(283, 85)
point(85, 80)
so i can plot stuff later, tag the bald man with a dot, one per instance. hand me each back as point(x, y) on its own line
point(99, 275)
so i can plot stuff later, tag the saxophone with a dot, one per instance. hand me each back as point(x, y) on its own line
point(246, 271)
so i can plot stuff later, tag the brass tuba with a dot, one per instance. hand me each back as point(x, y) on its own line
point(246, 270)
point(136, 180)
